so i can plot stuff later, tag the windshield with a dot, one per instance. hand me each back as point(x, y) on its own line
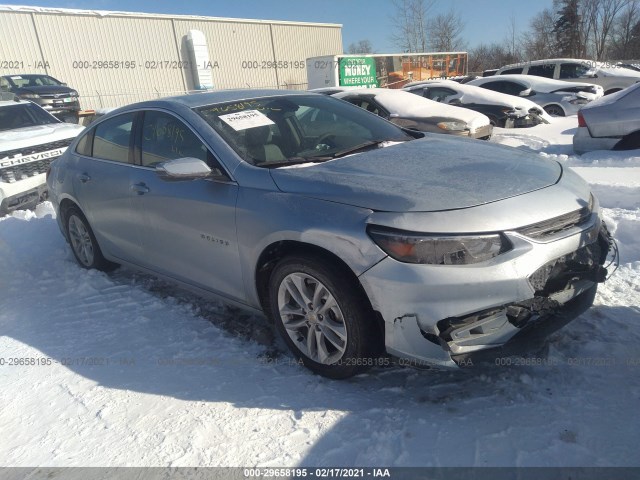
point(285, 130)
point(23, 115)
point(22, 81)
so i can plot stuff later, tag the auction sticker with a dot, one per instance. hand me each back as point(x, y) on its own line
point(246, 119)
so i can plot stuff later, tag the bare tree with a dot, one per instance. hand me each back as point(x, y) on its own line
point(410, 24)
point(496, 55)
point(445, 32)
point(600, 15)
point(540, 40)
point(624, 42)
point(361, 46)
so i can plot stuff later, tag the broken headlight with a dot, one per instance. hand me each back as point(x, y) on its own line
point(412, 247)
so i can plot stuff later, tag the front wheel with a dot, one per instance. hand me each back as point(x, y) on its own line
point(83, 242)
point(321, 316)
point(554, 110)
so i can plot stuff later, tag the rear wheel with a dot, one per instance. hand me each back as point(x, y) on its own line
point(322, 317)
point(83, 242)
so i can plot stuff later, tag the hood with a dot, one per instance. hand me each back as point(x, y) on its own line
point(427, 175)
point(43, 90)
point(37, 135)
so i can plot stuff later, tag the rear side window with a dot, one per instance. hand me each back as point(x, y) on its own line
point(112, 139)
point(512, 71)
point(84, 145)
point(545, 70)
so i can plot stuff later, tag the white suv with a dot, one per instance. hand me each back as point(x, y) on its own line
point(610, 77)
point(30, 138)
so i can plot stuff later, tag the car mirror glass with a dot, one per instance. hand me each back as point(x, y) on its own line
point(187, 168)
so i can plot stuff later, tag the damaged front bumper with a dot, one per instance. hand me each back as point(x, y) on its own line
point(447, 315)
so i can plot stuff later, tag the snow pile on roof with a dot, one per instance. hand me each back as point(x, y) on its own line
point(407, 104)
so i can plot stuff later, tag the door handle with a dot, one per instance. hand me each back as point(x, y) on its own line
point(84, 177)
point(140, 188)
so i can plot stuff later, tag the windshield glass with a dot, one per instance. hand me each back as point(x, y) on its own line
point(23, 115)
point(285, 130)
point(25, 81)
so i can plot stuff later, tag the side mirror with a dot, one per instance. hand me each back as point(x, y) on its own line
point(187, 168)
point(527, 93)
point(455, 101)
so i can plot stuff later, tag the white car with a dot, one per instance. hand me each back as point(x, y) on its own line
point(612, 122)
point(610, 77)
point(505, 111)
point(408, 111)
point(558, 98)
point(30, 139)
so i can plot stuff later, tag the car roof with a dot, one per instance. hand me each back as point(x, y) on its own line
point(548, 60)
point(201, 99)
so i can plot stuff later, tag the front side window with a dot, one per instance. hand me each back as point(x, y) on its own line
point(281, 130)
point(545, 70)
point(112, 139)
point(573, 70)
point(164, 137)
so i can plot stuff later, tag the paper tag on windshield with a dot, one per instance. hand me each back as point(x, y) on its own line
point(246, 119)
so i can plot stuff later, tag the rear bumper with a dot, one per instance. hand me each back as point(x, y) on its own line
point(583, 141)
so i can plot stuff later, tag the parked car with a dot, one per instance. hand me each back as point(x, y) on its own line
point(356, 240)
point(613, 122)
point(54, 96)
point(558, 98)
point(421, 114)
point(611, 78)
point(503, 111)
point(30, 139)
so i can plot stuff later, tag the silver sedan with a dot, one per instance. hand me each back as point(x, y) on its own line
point(359, 239)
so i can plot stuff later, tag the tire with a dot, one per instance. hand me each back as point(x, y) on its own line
point(554, 110)
point(628, 142)
point(336, 342)
point(83, 242)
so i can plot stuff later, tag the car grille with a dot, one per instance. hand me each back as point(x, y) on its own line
point(54, 95)
point(556, 225)
point(16, 173)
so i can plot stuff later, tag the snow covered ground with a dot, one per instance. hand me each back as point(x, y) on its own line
point(123, 370)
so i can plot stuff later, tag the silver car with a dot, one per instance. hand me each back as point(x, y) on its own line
point(357, 238)
point(613, 122)
point(558, 98)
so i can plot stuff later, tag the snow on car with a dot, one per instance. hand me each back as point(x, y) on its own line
point(611, 78)
point(503, 110)
point(30, 139)
point(558, 98)
point(405, 110)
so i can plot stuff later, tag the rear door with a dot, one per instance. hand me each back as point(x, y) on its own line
point(104, 161)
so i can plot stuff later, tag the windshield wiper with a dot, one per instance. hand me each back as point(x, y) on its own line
point(358, 148)
point(293, 161)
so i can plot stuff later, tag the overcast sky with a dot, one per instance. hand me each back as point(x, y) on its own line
point(485, 20)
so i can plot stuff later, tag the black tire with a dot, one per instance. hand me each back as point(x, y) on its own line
point(352, 312)
point(629, 142)
point(554, 110)
point(83, 242)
